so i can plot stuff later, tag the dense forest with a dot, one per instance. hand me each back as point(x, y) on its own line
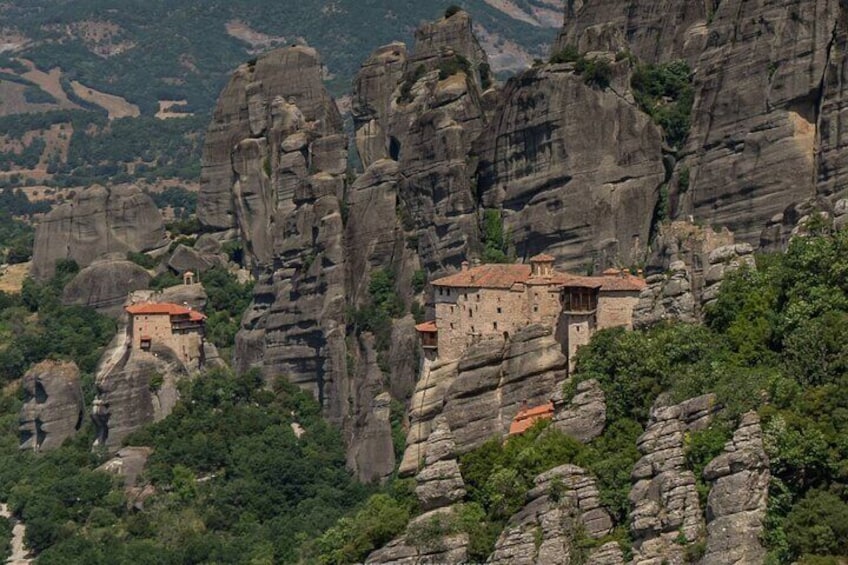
point(234, 482)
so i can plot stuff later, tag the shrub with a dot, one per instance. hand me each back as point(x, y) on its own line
point(568, 54)
point(596, 72)
point(142, 259)
point(665, 93)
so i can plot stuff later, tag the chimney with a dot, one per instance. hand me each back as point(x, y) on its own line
point(640, 273)
point(624, 273)
point(465, 265)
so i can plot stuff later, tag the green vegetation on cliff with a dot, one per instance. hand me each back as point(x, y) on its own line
point(234, 482)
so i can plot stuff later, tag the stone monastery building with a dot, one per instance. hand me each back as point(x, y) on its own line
point(158, 325)
point(495, 300)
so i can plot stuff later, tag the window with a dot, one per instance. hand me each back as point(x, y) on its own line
point(494, 325)
point(470, 313)
point(451, 326)
point(441, 291)
point(478, 297)
point(500, 310)
point(535, 307)
point(451, 310)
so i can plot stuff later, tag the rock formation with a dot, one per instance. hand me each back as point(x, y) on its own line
point(666, 514)
point(105, 284)
point(140, 389)
point(410, 548)
point(576, 169)
point(563, 504)
point(98, 222)
point(655, 31)
point(481, 393)
point(423, 109)
point(736, 507)
point(440, 481)
point(723, 261)
point(667, 297)
point(53, 405)
point(585, 416)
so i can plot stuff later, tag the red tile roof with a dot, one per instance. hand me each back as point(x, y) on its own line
point(164, 308)
point(505, 276)
point(487, 276)
point(525, 419)
point(427, 326)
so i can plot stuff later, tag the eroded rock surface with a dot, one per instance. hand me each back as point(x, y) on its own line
point(53, 405)
point(665, 508)
point(105, 284)
point(655, 31)
point(668, 297)
point(563, 502)
point(141, 388)
point(736, 507)
point(440, 481)
point(98, 221)
point(481, 393)
point(411, 548)
point(585, 416)
point(723, 261)
point(576, 169)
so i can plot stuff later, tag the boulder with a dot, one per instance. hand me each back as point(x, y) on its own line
point(53, 405)
point(105, 284)
point(99, 221)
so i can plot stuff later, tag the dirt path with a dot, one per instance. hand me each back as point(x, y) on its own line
point(20, 555)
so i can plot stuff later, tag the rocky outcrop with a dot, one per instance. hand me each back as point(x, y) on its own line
point(668, 297)
point(563, 504)
point(274, 169)
point(723, 261)
point(440, 481)
point(140, 389)
point(585, 415)
point(373, 98)
point(576, 169)
point(736, 506)
point(655, 31)
point(666, 515)
point(128, 463)
point(98, 221)
point(414, 548)
point(481, 393)
point(423, 110)
point(53, 405)
point(105, 284)
point(287, 80)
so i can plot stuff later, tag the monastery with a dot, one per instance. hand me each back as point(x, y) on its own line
point(494, 300)
point(157, 325)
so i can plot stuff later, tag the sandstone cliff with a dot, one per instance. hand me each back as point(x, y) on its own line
point(575, 168)
point(99, 221)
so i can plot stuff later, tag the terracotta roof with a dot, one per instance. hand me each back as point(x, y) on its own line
point(542, 258)
point(487, 276)
point(164, 308)
point(427, 326)
point(498, 275)
point(525, 419)
point(626, 282)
